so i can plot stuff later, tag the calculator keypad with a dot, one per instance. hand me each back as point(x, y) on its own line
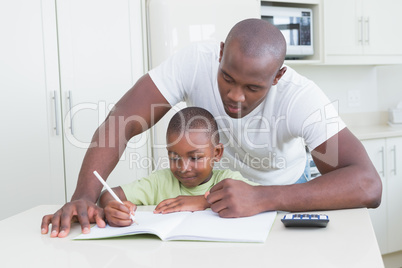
point(305, 220)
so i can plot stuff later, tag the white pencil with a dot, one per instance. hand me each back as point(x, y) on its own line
point(111, 192)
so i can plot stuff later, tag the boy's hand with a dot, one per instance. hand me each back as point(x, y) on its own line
point(182, 203)
point(117, 214)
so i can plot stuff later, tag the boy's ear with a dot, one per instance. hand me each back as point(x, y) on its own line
point(218, 152)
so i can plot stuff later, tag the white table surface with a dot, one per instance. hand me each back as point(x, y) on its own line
point(347, 241)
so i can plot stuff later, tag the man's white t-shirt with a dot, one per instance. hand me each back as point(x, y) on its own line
point(267, 145)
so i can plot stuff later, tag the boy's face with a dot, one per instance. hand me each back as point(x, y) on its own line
point(191, 157)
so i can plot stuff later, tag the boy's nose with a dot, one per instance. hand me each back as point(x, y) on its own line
point(185, 166)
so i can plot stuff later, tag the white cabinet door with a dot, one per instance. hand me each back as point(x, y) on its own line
point(386, 155)
point(30, 150)
point(376, 150)
point(362, 31)
point(101, 57)
point(382, 27)
point(343, 27)
point(394, 186)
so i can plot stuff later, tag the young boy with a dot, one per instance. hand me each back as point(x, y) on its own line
point(193, 148)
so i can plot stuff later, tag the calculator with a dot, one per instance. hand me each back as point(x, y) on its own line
point(305, 220)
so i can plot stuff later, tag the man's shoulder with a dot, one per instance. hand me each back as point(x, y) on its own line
point(202, 48)
point(293, 78)
point(207, 46)
point(292, 83)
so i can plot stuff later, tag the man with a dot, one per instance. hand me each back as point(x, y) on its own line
point(265, 112)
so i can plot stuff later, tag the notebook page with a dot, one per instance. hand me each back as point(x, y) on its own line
point(148, 222)
point(208, 226)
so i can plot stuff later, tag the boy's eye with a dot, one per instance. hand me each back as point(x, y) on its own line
point(196, 158)
point(174, 158)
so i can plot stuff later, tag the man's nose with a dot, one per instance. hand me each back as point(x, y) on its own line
point(236, 94)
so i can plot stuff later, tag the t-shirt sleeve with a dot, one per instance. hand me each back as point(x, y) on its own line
point(313, 116)
point(142, 191)
point(236, 175)
point(176, 75)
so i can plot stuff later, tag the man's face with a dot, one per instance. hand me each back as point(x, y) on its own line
point(244, 81)
point(191, 157)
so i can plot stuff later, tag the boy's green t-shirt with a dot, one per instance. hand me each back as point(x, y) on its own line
point(162, 185)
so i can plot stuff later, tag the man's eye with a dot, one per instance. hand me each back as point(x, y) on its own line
point(196, 158)
point(227, 79)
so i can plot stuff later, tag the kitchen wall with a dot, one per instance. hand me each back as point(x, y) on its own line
point(338, 81)
point(389, 86)
point(379, 87)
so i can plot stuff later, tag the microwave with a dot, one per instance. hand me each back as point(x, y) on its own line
point(296, 25)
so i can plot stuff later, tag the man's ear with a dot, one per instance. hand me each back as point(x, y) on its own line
point(279, 75)
point(218, 152)
point(221, 52)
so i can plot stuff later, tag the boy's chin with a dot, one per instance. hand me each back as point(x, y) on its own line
point(189, 185)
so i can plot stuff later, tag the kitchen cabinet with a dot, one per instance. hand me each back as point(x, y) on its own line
point(64, 64)
point(386, 155)
point(362, 31)
point(30, 147)
point(394, 190)
point(101, 57)
point(376, 151)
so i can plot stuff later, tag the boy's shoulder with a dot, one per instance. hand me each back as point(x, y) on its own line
point(221, 174)
point(160, 173)
point(226, 172)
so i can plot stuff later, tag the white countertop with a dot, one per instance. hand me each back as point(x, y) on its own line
point(347, 241)
point(371, 125)
point(376, 131)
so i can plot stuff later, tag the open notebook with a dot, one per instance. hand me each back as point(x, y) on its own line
point(199, 226)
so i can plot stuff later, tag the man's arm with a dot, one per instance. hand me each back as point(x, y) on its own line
point(348, 180)
point(139, 109)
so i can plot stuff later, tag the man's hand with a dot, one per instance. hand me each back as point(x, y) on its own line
point(118, 214)
point(182, 203)
point(233, 198)
point(82, 211)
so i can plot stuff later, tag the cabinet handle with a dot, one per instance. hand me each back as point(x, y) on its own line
point(56, 113)
point(70, 102)
point(394, 151)
point(360, 28)
point(382, 162)
point(367, 34)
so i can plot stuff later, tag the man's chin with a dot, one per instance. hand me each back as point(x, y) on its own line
point(234, 115)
